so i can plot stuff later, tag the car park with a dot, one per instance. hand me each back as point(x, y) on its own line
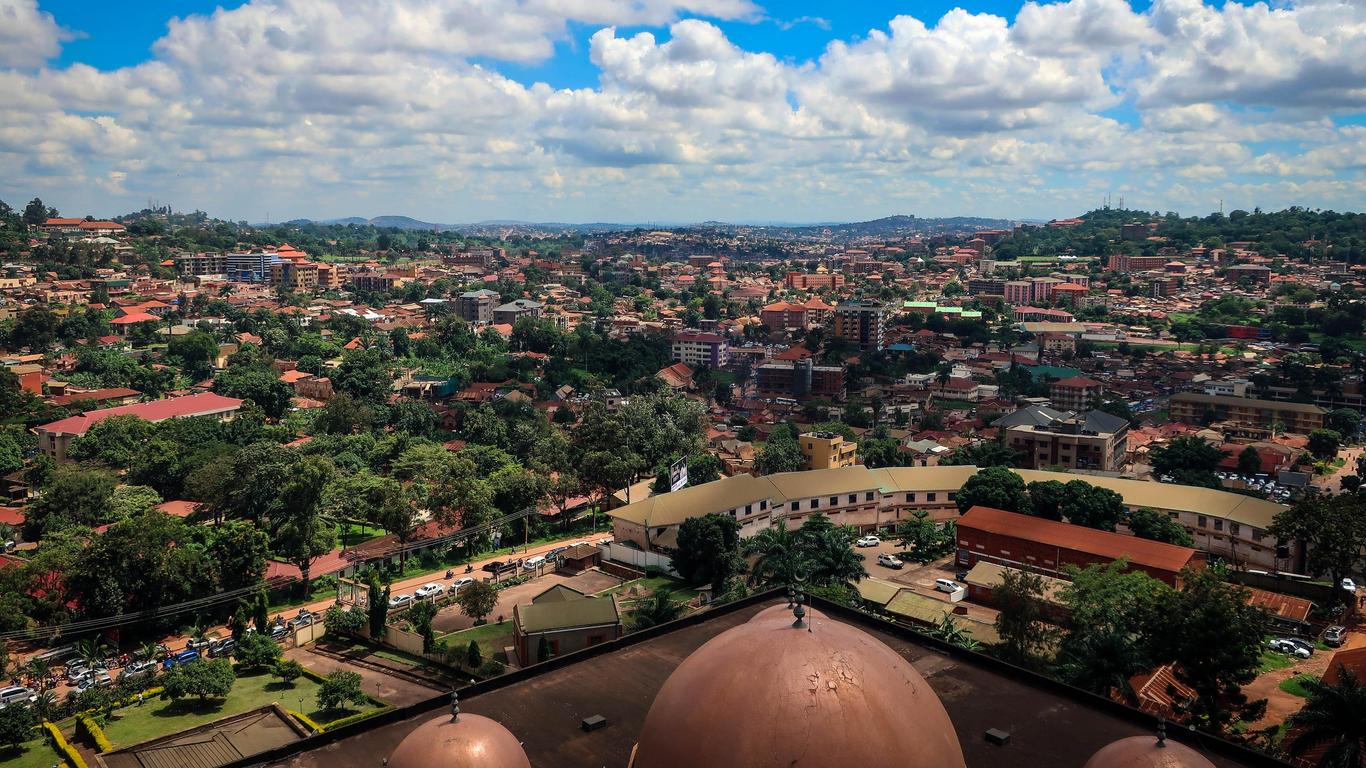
point(430, 589)
point(16, 694)
point(889, 561)
point(947, 585)
point(1335, 636)
point(868, 541)
point(461, 583)
point(400, 601)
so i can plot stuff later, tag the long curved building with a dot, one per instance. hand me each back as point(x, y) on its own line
point(1228, 525)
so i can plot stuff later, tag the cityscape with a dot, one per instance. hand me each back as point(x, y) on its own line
point(682, 383)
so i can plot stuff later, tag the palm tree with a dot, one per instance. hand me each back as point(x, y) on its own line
point(660, 609)
point(45, 706)
point(1334, 719)
point(1102, 663)
point(148, 651)
point(92, 651)
point(834, 561)
point(40, 669)
point(781, 556)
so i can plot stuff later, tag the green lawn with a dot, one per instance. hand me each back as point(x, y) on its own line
point(1295, 685)
point(159, 717)
point(33, 754)
point(1272, 660)
point(492, 639)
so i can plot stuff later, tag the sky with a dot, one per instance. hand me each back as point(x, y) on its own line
point(681, 110)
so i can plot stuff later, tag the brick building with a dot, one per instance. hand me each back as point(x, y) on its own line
point(1006, 538)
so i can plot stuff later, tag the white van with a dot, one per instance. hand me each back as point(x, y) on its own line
point(16, 694)
point(946, 585)
point(532, 563)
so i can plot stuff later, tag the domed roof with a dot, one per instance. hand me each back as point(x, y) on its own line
point(768, 694)
point(470, 741)
point(1146, 752)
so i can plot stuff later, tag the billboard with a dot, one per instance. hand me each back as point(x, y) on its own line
point(678, 474)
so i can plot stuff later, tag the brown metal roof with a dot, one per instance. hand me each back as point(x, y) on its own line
point(1152, 554)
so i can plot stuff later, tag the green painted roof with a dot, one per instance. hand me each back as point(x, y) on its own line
point(554, 615)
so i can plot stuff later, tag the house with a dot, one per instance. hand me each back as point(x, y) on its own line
point(513, 311)
point(827, 450)
point(677, 377)
point(567, 620)
point(54, 438)
point(1076, 440)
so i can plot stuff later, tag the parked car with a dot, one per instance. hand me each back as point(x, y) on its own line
point(500, 566)
point(607, 540)
point(200, 643)
point(16, 694)
point(223, 647)
point(555, 553)
point(461, 583)
point(889, 561)
point(868, 541)
point(304, 619)
point(1304, 645)
point(1282, 645)
point(101, 679)
point(278, 632)
point(1349, 585)
point(430, 589)
point(184, 657)
point(532, 563)
point(947, 585)
point(400, 601)
point(139, 668)
point(1335, 636)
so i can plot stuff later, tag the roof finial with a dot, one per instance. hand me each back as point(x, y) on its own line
point(455, 706)
point(797, 599)
point(1161, 732)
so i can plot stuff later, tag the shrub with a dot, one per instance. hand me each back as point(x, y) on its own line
point(473, 656)
point(490, 668)
point(90, 732)
point(288, 670)
point(59, 743)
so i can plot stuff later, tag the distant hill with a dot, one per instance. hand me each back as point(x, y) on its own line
point(887, 227)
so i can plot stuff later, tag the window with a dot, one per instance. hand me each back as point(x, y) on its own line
point(596, 639)
point(763, 505)
point(867, 497)
point(834, 501)
point(1202, 521)
point(931, 496)
point(910, 498)
point(1234, 529)
point(953, 495)
point(1257, 534)
point(815, 503)
point(1218, 525)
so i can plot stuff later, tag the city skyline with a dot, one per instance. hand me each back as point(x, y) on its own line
point(681, 110)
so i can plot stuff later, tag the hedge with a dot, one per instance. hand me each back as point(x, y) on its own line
point(301, 717)
point(356, 718)
point(89, 730)
point(59, 743)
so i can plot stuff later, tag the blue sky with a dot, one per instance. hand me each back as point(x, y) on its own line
point(460, 110)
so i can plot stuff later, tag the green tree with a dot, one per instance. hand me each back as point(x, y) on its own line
point(1092, 506)
point(1189, 460)
point(238, 550)
point(302, 532)
point(708, 550)
point(377, 606)
point(1020, 624)
point(421, 615)
point(543, 652)
point(288, 671)
point(1147, 523)
point(74, 497)
point(473, 656)
point(1110, 609)
point(343, 621)
point(477, 600)
point(703, 468)
point(925, 539)
point(364, 376)
point(255, 650)
point(202, 678)
point(16, 726)
point(197, 350)
point(340, 688)
point(35, 328)
point(780, 454)
point(1324, 443)
point(660, 608)
point(261, 386)
point(114, 442)
point(1333, 529)
point(1344, 421)
point(780, 557)
point(1046, 498)
point(1332, 721)
point(1214, 639)
point(995, 487)
point(984, 454)
point(1249, 461)
point(35, 213)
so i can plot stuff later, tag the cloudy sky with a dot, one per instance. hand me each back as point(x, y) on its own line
point(681, 110)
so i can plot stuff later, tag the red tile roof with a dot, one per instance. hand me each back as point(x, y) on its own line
point(157, 410)
point(1152, 554)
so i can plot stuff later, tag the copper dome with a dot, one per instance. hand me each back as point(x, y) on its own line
point(1146, 752)
point(768, 694)
point(468, 742)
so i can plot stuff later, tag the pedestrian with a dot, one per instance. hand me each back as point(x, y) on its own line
point(139, 698)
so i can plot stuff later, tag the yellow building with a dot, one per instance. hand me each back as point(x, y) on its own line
point(827, 450)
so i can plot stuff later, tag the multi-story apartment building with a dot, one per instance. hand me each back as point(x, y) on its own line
point(477, 306)
point(1248, 416)
point(801, 281)
point(987, 286)
point(1120, 262)
point(1229, 525)
point(294, 275)
point(1076, 393)
point(250, 267)
point(799, 380)
point(1255, 273)
point(861, 323)
point(379, 282)
point(202, 264)
point(827, 450)
point(700, 349)
point(513, 311)
point(1092, 440)
point(783, 315)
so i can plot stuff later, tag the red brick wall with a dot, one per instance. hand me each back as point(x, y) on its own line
point(974, 545)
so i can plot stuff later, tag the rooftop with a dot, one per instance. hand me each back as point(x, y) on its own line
point(1153, 554)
